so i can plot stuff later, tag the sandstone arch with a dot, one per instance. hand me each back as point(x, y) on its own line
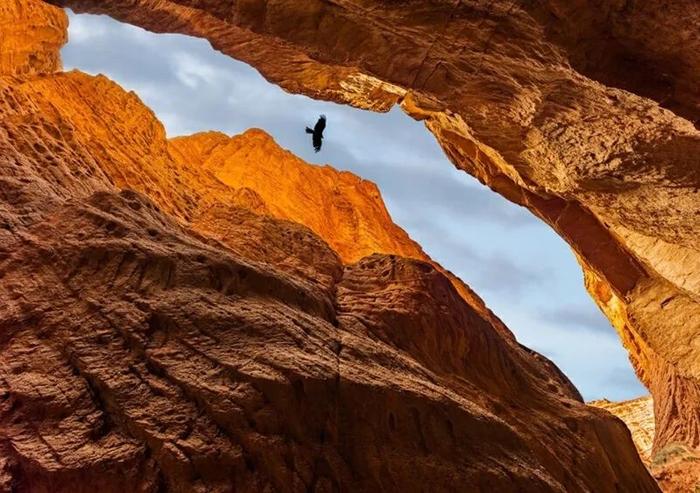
point(612, 172)
point(573, 111)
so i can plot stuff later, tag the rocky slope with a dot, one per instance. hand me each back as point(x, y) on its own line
point(638, 415)
point(572, 109)
point(157, 338)
point(675, 466)
point(343, 209)
point(340, 207)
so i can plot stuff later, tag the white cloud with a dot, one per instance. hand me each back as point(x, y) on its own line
point(84, 29)
point(193, 72)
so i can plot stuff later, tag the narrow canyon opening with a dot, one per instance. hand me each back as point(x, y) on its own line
point(523, 270)
point(215, 308)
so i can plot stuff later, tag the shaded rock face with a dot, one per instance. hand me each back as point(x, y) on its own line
point(158, 338)
point(675, 466)
point(343, 209)
point(586, 114)
point(638, 415)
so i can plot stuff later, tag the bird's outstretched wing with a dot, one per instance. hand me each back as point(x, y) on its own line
point(320, 125)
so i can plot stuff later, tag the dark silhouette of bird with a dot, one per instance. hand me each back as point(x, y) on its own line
point(317, 132)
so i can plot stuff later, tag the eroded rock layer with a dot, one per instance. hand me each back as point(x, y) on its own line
point(571, 109)
point(675, 466)
point(638, 415)
point(155, 338)
point(340, 207)
point(33, 33)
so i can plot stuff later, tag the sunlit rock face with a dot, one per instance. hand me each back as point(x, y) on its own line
point(32, 35)
point(586, 114)
point(340, 207)
point(160, 332)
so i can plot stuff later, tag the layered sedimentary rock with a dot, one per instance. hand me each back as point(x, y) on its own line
point(638, 415)
point(586, 114)
point(156, 338)
point(675, 466)
point(342, 208)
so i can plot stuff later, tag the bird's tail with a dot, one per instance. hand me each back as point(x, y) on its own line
point(309, 131)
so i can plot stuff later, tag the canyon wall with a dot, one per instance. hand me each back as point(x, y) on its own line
point(675, 466)
point(638, 415)
point(585, 114)
point(341, 208)
point(163, 331)
point(32, 37)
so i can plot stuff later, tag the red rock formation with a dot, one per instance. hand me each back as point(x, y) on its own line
point(158, 338)
point(676, 469)
point(32, 35)
point(340, 207)
point(582, 113)
point(343, 209)
point(144, 357)
point(638, 415)
point(675, 466)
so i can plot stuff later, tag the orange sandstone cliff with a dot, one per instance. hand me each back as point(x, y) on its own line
point(585, 113)
point(162, 330)
point(340, 207)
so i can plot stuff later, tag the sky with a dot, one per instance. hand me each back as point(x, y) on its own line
point(526, 274)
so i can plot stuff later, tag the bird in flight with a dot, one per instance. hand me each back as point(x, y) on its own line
point(317, 132)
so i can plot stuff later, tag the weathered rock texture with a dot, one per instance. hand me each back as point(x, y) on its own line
point(638, 415)
point(33, 33)
point(583, 112)
point(675, 466)
point(158, 338)
point(343, 209)
point(340, 207)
